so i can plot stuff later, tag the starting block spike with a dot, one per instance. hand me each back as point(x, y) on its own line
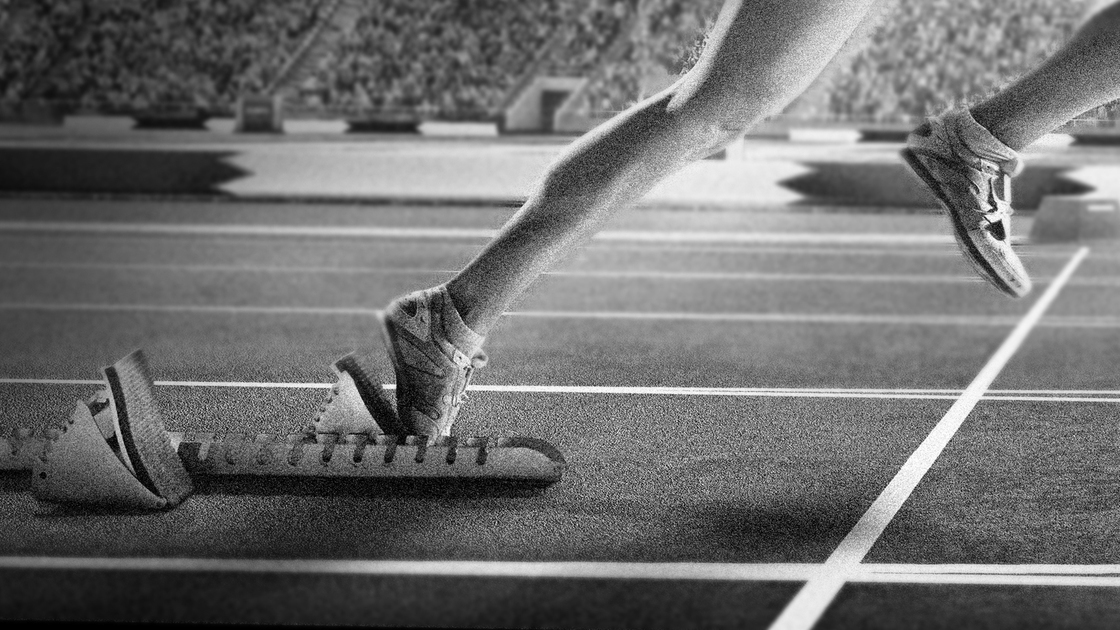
point(356, 403)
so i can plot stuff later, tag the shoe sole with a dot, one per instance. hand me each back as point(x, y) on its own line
point(960, 231)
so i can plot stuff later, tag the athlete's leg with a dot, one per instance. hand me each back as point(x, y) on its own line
point(1083, 74)
point(967, 157)
point(761, 54)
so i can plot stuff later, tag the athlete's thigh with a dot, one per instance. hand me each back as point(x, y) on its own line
point(760, 47)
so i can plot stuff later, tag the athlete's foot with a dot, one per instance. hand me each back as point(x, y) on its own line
point(970, 171)
point(433, 354)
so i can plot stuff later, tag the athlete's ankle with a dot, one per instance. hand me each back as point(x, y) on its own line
point(462, 336)
point(983, 142)
point(438, 303)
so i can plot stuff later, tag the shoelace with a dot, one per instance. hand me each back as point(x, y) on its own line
point(982, 171)
point(981, 177)
point(477, 361)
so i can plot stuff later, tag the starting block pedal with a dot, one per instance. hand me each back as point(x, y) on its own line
point(123, 456)
point(115, 450)
point(357, 403)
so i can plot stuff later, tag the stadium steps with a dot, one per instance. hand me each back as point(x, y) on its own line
point(337, 18)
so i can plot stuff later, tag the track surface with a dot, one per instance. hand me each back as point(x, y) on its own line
point(837, 342)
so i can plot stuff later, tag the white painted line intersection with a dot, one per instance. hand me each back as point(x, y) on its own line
point(806, 608)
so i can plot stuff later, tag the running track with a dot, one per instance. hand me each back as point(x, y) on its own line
point(771, 420)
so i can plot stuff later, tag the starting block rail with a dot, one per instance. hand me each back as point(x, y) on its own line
point(115, 450)
point(330, 455)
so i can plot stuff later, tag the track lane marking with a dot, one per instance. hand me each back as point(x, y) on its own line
point(1056, 321)
point(824, 318)
point(470, 568)
point(631, 236)
point(597, 275)
point(1052, 396)
point(806, 608)
point(1042, 575)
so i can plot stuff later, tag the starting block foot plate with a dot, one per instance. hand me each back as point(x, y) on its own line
point(135, 466)
point(357, 403)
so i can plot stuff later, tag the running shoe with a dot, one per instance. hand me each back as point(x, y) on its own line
point(432, 373)
point(970, 171)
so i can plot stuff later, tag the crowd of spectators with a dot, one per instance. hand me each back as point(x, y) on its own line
point(925, 55)
point(126, 55)
point(664, 41)
point(446, 58)
point(33, 36)
point(931, 54)
point(461, 58)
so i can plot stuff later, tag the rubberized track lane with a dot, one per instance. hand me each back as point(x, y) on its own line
point(1026, 483)
point(300, 348)
point(928, 606)
point(653, 477)
point(461, 602)
point(389, 256)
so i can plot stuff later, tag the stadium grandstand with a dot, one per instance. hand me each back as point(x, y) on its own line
point(467, 59)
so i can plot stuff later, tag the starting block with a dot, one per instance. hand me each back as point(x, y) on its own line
point(114, 449)
point(1065, 218)
point(357, 403)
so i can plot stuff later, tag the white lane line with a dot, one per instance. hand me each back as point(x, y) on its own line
point(387, 232)
point(623, 390)
point(187, 308)
point(1060, 321)
point(941, 250)
point(822, 318)
point(1050, 396)
point(1071, 321)
point(1089, 581)
point(571, 570)
point(204, 384)
point(1042, 575)
point(746, 276)
point(994, 569)
point(597, 275)
point(811, 601)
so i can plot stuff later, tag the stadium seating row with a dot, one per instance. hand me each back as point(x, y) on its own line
point(460, 59)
